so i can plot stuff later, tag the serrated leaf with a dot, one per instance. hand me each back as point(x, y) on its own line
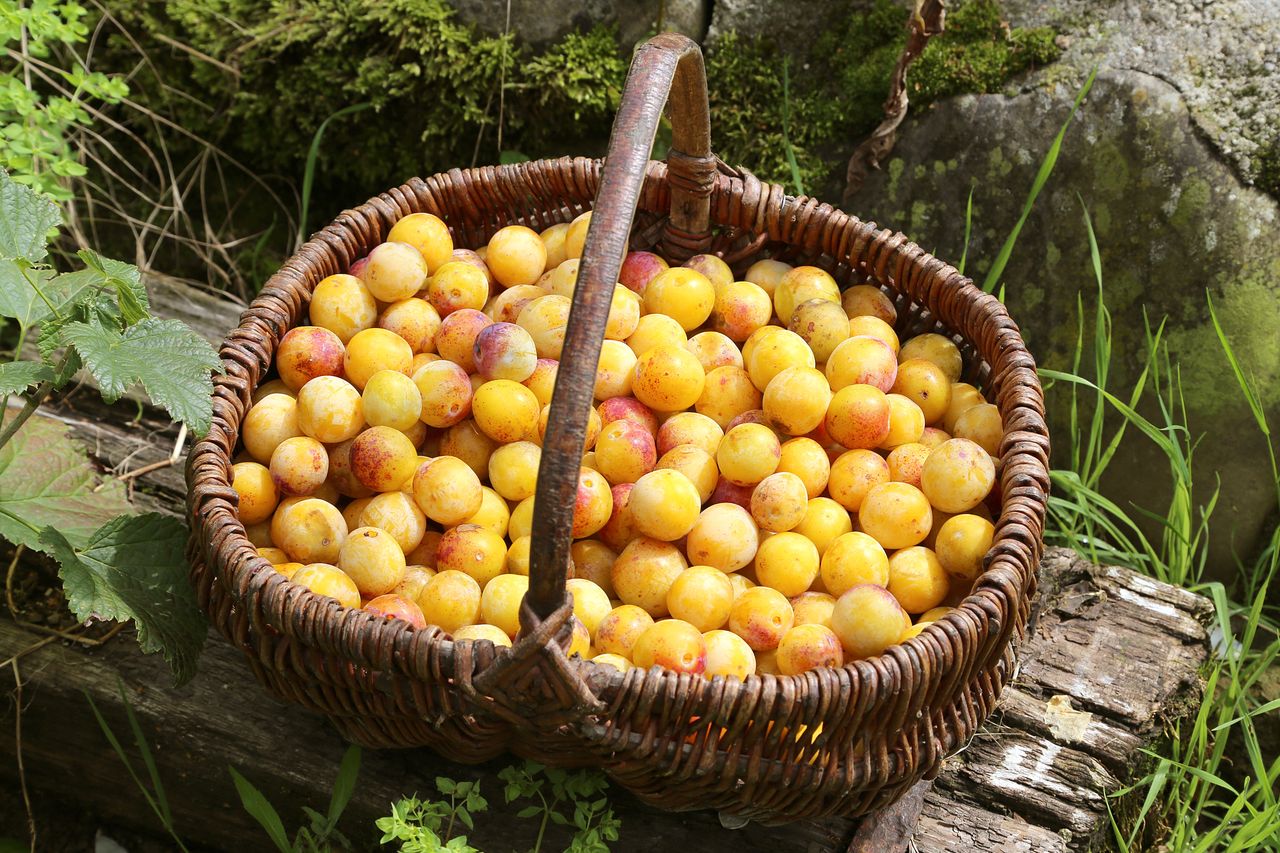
point(172, 362)
point(18, 376)
point(47, 479)
point(133, 568)
point(26, 217)
point(125, 279)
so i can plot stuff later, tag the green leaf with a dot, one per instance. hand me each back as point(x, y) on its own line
point(18, 376)
point(344, 785)
point(510, 158)
point(172, 362)
point(262, 811)
point(125, 279)
point(26, 217)
point(133, 568)
point(46, 479)
point(528, 811)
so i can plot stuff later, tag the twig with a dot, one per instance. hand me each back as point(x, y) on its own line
point(145, 469)
point(17, 735)
point(34, 647)
point(927, 20)
point(8, 581)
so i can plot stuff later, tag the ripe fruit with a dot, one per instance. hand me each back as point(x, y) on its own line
point(397, 515)
point(748, 453)
point(963, 398)
point(445, 390)
point(672, 644)
point(683, 294)
point(925, 384)
point(638, 269)
point(767, 274)
point(394, 271)
point(822, 324)
point(701, 596)
point(805, 458)
point(740, 308)
point(256, 490)
point(544, 319)
point(299, 466)
point(644, 572)
point(618, 631)
point(456, 339)
point(668, 378)
point(824, 520)
point(728, 655)
point(373, 350)
point(329, 581)
point(961, 544)
point(492, 633)
point(457, 285)
point(614, 371)
point(787, 562)
point(500, 602)
point(855, 473)
point(862, 360)
point(713, 350)
point(868, 300)
point(796, 400)
point(773, 354)
point(807, 647)
point(383, 458)
point(309, 530)
point(553, 239)
point(428, 234)
point(397, 607)
point(874, 327)
point(800, 285)
point(896, 515)
point(593, 504)
point(343, 305)
point(473, 550)
point(935, 348)
point(391, 399)
point(868, 619)
point(329, 409)
point(859, 416)
point(695, 464)
point(306, 352)
point(779, 502)
point(813, 608)
point(981, 424)
point(372, 559)
point(447, 490)
point(513, 469)
point(957, 475)
point(724, 536)
point(917, 579)
point(665, 504)
point(852, 559)
point(713, 267)
point(517, 255)
point(271, 420)
point(504, 410)
point(451, 600)
point(727, 393)
point(761, 616)
point(906, 422)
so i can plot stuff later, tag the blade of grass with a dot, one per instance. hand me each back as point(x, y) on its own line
point(262, 811)
point(968, 229)
point(313, 156)
point(345, 785)
point(786, 127)
point(166, 816)
point(1042, 177)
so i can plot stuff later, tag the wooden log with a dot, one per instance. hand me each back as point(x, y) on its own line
point(1114, 656)
point(1033, 779)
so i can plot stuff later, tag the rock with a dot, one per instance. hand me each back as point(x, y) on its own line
point(792, 24)
point(542, 22)
point(1173, 220)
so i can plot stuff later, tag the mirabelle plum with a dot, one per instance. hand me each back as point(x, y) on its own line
point(593, 561)
point(773, 354)
point(372, 559)
point(397, 515)
point(614, 371)
point(446, 393)
point(513, 469)
point(800, 285)
point(924, 383)
point(644, 572)
point(896, 515)
point(620, 529)
point(689, 428)
point(906, 462)
point(575, 239)
point(274, 556)
point(983, 426)
point(855, 473)
point(373, 350)
point(823, 521)
point(618, 631)
point(787, 562)
point(518, 256)
point(957, 475)
point(805, 458)
point(748, 453)
point(640, 268)
point(299, 466)
point(917, 579)
point(306, 352)
point(329, 410)
point(625, 452)
point(425, 554)
point(451, 600)
point(343, 305)
point(618, 662)
point(456, 340)
point(807, 647)
point(624, 314)
point(683, 294)
point(740, 308)
point(500, 602)
point(507, 305)
point(761, 616)
point(906, 422)
point(940, 350)
point(870, 301)
point(474, 550)
point(494, 514)
point(590, 602)
point(272, 419)
point(395, 271)
point(309, 530)
point(695, 464)
point(859, 417)
point(492, 633)
point(962, 543)
point(256, 489)
point(668, 378)
point(329, 581)
point(428, 234)
point(593, 504)
point(504, 410)
point(447, 490)
point(627, 408)
point(796, 400)
point(724, 536)
point(713, 350)
point(813, 608)
point(932, 437)
point(518, 556)
point(542, 381)
point(671, 644)
point(728, 655)
point(963, 398)
point(701, 596)
point(391, 399)
point(553, 240)
point(862, 360)
point(665, 504)
point(562, 280)
point(713, 267)
point(767, 274)
point(383, 458)
point(545, 319)
point(822, 324)
point(852, 559)
point(726, 394)
point(779, 502)
point(874, 327)
point(457, 285)
point(868, 619)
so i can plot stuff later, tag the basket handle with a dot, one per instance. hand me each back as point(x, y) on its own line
point(666, 65)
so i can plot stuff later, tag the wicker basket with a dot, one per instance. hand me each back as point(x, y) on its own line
point(829, 741)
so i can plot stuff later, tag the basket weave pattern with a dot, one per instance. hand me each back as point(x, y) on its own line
point(845, 740)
